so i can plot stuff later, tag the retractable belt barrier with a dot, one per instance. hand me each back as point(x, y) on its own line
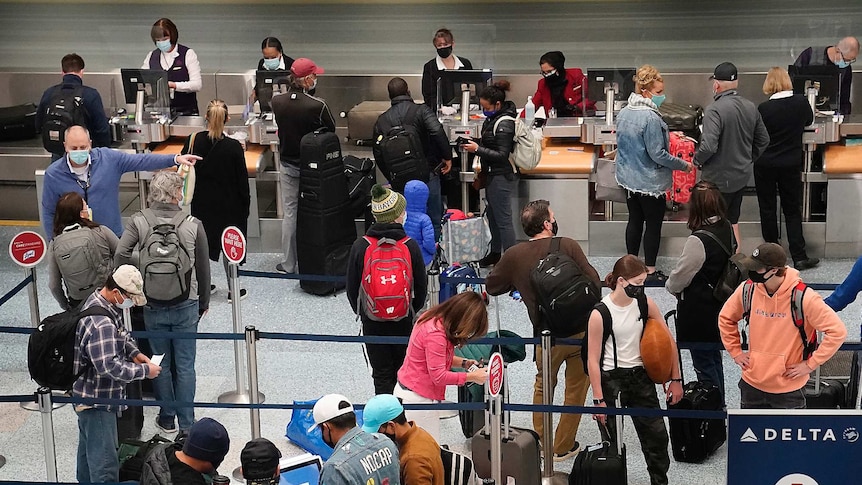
point(14, 291)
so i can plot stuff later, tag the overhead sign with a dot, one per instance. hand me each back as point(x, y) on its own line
point(495, 374)
point(793, 447)
point(233, 244)
point(27, 249)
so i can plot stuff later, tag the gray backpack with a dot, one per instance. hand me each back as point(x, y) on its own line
point(165, 262)
point(79, 261)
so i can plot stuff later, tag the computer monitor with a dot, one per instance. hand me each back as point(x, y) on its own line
point(268, 82)
point(153, 82)
point(451, 82)
point(829, 78)
point(300, 470)
point(598, 78)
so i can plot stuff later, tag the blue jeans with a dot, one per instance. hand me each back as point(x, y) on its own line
point(177, 379)
point(434, 207)
point(709, 368)
point(499, 192)
point(97, 446)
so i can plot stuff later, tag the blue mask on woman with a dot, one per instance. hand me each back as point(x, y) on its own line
point(271, 64)
point(658, 99)
point(489, 114)
point(164, 45)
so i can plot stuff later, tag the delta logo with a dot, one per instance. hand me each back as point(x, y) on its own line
point(849, 435)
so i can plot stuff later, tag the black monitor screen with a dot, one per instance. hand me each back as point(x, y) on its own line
point(146, 80)
point(623, 77)
point(829, 79)
point(264, 86)
point(450, 85)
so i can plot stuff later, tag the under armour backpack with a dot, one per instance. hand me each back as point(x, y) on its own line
point(65, 109)
point(566, 296)
point(165, 262)
point(527, 149)
point(387, 279)
point(51, 349)
point(402, 153)
point(80, 262)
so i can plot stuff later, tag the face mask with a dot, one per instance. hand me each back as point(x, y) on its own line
point(323, 436)
point(313, 85)
point(271, 64)
point(756, 277)
point(79, 157)
point(554, 228)
point(658, 99)
point(842, 64)
point(489, 114)
point(164, 45)
point(634, 291)
point(549, 74)
point(404, 221)
point(444, 52)
point(126, 303)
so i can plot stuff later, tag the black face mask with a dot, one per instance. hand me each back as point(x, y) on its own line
point(756, 277)
point(554, 228)
point(323, 433)
point(444, 52)
point(634, 291)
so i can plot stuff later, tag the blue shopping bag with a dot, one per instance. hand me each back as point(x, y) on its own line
point(310, 441)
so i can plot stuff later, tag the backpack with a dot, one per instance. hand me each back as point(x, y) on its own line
point(360, 178)
point(401, 151)
point(165, 263)
point(527, 151)
point(733, 274)
point(387, 279)
point(79, 261)
point(134, 453)
point(65, 109)
point(608, 332)
point(51, 348)
point(809, 343)
point(566, 296)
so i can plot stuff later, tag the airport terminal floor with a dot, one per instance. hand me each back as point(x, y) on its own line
point(291, 370)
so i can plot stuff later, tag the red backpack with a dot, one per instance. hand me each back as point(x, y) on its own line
point(387, 279)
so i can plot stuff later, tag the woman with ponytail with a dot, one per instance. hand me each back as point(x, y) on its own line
point(221, 195)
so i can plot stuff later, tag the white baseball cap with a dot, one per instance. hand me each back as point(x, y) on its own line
point(327, 408)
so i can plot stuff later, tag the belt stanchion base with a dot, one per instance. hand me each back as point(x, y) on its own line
point(2, 461)
point(34, 405)
point(43, 396)
point(240, 395)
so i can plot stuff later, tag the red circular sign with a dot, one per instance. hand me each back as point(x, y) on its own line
point(27, 249)
point(495, 374)
point(233, 244)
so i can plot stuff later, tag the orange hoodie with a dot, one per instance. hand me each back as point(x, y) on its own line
point(774, 342)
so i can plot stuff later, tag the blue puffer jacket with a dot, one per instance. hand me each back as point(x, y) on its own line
point(418, 225)
point(644, 164)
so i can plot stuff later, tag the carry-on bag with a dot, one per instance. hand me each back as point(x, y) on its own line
point(18, 122)
point(361, 120)
point(322, 184)
point(681, 117)
point(603, 463)
point(448, 290)
point(844, 367)
point(466, 239)
point(607, 188)
point(302, 432)
point(683, 147)
point(131, 421)
point(133, 454)
point(823, 393)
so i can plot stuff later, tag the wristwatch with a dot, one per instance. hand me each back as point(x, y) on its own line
point(596, 402)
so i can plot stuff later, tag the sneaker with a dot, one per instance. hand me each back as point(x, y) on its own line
point(213, 289)
point(657, 278)
point(280, 268)
point(166, 427)
point(806, 263)
point(569, 454)
point(490, 260)
point(242, 295)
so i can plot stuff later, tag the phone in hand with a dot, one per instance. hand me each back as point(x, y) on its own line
point(439, 168)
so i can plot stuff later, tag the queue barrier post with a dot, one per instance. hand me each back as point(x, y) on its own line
point(251, 337)
point(547, 418)
point(240, 395)
point(46, 408)
point(495, 405)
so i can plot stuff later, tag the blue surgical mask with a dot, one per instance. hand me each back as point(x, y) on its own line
point(271, 64)
point(164, 45)
point(489, 114)
point(842, 64)
point(126, 303)
point(658, 99)
point(79, 157)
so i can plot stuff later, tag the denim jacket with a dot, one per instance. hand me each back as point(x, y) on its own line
point(644, 164)
point(362, 458)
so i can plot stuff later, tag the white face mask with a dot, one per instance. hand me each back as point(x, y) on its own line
point(404, 219)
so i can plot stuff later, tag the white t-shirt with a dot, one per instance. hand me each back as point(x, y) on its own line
point(628, 329)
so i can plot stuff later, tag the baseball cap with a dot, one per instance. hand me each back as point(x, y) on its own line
point(380, 409)
point(327, 408)
point(767, 255)
point(259, 459)
point(304, 66)
point(207, 441)
point(725, 71)
point(129, 279)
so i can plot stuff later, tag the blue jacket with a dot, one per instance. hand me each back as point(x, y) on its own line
point(848, 290)
point(97, 121)
point(362, 458)
point(103, 192)
point(644, 164)
point(418, 225)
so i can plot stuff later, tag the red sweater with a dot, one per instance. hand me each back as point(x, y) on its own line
point(575, 91)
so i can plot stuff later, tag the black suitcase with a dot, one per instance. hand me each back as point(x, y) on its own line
point(603, 463)
point(329, 260)
point(471, 421)
point(844, 368)
point(18, 122)
point(137, 314)
point(322, 184)
point(131, 421)
point(681, 117)
point(693, 440)
point(359, 173)
point(823, 393)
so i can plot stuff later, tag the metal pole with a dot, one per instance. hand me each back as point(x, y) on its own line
point(251, 337)
point(465, 121)
point(547, 400)
point(240, 395)
point(496, 404)
point(35, 319)
point(43, 395)
point(433, 287)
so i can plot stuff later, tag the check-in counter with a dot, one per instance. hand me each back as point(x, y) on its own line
point(842, 165)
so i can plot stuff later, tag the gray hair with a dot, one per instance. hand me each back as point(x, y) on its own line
point(164, 187)
point(66, 133)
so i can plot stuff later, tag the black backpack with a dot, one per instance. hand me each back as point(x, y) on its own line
point(65, 109)
point(608, 331)
point(360, 179)
point(51, 350)
point(566, 296)
point(734, 272)
point(401, 151)
point(134, 453)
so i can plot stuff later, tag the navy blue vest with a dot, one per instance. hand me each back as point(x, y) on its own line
point(182, 103)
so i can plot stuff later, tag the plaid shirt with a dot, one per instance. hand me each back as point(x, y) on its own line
point(108, 349)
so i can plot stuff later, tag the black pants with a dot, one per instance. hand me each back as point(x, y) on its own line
point(386, 359)
point(644, 210)
point(787, 184)
point(636, 390)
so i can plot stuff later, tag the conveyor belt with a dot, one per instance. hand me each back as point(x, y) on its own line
point(841, 159)
point(253, 153)
point(565, 159)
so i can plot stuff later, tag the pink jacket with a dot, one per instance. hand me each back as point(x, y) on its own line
point(426, 369)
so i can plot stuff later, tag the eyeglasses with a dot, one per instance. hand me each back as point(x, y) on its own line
point(848, 61)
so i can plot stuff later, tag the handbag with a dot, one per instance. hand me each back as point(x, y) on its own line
point(187, 172)
point(311, 441)
point(607, 187)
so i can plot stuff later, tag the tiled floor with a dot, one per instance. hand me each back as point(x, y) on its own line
point(302, 370)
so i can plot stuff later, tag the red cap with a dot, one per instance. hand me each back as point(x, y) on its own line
point(303, 67)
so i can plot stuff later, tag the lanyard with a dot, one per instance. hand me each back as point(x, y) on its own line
point(85, 185)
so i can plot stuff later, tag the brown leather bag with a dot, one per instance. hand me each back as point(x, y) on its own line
point(657, 351)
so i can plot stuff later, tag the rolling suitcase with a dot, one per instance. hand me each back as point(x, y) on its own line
point(693, 440)
point(843, 367)
point(361, 120)
point(471, 421)
point(18, 122)
point(681, 117)
point(131, 421)
point(322, 184)
point(683, 147)
point(603, 463)
point(448, 290)
point(823, 393)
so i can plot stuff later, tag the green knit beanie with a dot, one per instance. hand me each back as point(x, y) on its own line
point(386, 205)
